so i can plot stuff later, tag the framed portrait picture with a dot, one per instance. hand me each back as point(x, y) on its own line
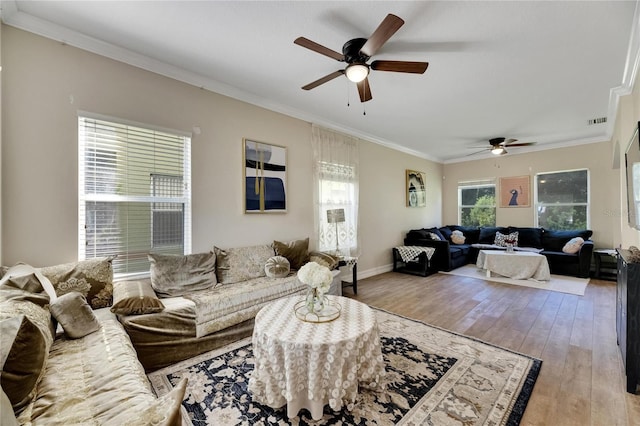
point(515, 191)
point(416, 189)
point(265, 177)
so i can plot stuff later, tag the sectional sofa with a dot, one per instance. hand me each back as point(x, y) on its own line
point(452, 252)
point(86, 371)
point(76, 346)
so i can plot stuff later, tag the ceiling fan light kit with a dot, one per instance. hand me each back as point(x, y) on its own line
point(356, 52)
point(357, 72)
point(498, 146)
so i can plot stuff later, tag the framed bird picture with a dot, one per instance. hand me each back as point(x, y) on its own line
point(515, 191)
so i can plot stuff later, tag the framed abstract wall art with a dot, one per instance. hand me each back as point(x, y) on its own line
point(515, 191)
point(265, 177)
point(416, 189)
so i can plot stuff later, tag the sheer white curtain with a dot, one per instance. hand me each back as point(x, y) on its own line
point(335, 172)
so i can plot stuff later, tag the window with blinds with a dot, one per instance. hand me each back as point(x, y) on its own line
point(134, 192)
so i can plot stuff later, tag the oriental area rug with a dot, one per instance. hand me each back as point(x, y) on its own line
point(559, 283)
point(433, 377)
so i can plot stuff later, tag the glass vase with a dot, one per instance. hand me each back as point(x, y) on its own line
point(315, 301)
point(509, 248)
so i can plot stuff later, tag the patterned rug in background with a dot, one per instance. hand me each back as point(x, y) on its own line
point(434, 377)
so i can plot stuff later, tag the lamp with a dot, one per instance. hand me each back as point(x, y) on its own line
point(497, 150)
point(336, 216)
point(357, 72)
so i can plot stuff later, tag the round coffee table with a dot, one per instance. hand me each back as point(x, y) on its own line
point(309, 365)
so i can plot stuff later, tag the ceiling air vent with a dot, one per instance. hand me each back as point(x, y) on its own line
point(599, 120)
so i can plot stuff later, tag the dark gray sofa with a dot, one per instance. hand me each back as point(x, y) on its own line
point(450, 256)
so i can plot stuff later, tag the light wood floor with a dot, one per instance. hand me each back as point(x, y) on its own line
point(581, 381)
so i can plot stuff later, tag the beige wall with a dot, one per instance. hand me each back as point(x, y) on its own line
point(47, 83)
point(384, 216)
point(626, 123)
point(596, 157)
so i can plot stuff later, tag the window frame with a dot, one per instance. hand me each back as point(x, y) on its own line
point(483, 183)
point(129, 199)
point(336, 173)
point(538, 204)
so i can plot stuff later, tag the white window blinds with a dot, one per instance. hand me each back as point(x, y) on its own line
point(134, 192)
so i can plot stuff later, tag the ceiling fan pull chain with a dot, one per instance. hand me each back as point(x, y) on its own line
point(364, 110)
point(348, 96)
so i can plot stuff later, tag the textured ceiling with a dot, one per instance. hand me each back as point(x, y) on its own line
point(535, 71)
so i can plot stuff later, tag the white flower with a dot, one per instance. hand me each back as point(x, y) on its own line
point(316, 276)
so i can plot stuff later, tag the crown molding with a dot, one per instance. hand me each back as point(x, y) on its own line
point(536, 148)
point(630, 74)
point(11, 15)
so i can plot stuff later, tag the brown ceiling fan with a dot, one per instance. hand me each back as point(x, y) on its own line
point(357, 52)
point(498, 146)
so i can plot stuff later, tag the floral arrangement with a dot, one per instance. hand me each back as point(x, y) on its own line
point(318, 278)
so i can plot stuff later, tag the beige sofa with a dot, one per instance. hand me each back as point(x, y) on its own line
point(91, 368)
point(53, 379)
point(174, 328)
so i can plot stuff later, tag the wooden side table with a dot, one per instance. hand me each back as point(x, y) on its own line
point(351, 262)
point(606, 266)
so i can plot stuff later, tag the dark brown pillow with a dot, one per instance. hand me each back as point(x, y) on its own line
point(75, 315)
point(93, 278)
point(24, 350)
point(135, 298)
point(296, 252)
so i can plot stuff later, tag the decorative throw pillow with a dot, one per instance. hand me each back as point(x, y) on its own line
point(325, 259)
point(277, 267)
point(457, 237)
point(93, 278)
point(573, 245)
point(135, 298)
point(296, 252)
point(23, 353)
point(502, 239)
point(242, 263)
point(27, 279)
point(75, 315)
point(177, 275)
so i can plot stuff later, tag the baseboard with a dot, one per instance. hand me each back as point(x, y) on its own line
point(374, 271)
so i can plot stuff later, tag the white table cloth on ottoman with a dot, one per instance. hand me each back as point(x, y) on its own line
point(519, 265)
point(309, 365)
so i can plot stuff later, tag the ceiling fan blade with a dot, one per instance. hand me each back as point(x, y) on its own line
point(364, 90)
point(520, 144)
point(476, 152)
point(509, 141)
point(323, 80)
point(385, 30)
point(312, 45)
point(400, 66)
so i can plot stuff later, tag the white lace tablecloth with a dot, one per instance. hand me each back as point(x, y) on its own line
point(309, 365)
point(519, 265)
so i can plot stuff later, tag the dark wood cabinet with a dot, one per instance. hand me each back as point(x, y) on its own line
point(628, 317)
